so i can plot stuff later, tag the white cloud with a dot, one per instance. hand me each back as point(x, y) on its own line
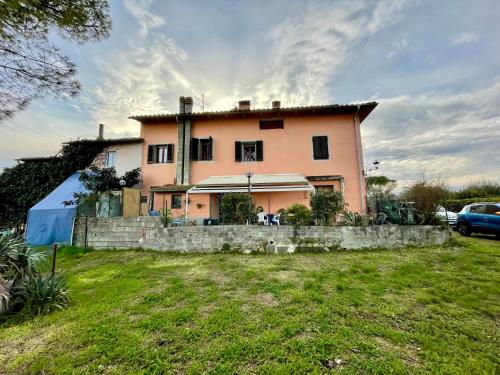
point(146, 19)
point(397, 47)
point(309, 49)
point(455, 136)
point(465, 38)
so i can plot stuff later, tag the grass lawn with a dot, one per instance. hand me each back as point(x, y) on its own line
point(418, 310)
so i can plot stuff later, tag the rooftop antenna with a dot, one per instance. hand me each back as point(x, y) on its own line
point(201, 100)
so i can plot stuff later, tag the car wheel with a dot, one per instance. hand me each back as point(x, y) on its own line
point(464, 229)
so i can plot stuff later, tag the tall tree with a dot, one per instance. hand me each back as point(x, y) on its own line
point(30, 65)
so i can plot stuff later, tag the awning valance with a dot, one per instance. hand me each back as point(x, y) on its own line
point(259, 183)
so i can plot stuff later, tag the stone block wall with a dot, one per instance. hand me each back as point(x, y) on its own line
point(149, 233)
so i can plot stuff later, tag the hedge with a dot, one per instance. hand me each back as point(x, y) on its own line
point(456, 205)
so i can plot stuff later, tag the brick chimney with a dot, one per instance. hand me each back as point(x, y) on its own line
point(276, 104)
point(244, 105)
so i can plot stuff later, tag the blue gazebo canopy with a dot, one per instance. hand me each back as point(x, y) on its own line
point(50, 221)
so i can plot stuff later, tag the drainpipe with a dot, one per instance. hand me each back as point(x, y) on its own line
point(186, 207)
point(359, 149)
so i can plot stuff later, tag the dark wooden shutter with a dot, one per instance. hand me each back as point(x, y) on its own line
point(210, 148)
point(195, 148)
point(237, 151)
point(324, 147)
point(151, 154)
point(317, 147)
point(259, 150)
point(170, 153)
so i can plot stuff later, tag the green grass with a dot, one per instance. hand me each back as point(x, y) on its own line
point(418, 310)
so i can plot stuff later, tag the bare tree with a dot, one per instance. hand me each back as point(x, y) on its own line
point(30, 65)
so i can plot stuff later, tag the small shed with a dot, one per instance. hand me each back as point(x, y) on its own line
point(50, 221)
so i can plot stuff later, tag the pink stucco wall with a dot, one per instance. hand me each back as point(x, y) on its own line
point(288, 150)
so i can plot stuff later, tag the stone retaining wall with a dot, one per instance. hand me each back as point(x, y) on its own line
point(149, 233)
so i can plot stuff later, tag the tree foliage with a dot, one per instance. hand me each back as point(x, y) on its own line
point(298, 214)
point(326, 205)
point(102, 180)
point(237, 208)
point(25, 184)
point(30, 65)
point(379, 185)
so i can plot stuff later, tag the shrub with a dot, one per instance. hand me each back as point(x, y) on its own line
point(354, 219)
point(41, 294)
point(426, 195)
point(326, 205)
point(298, 214)
point(167, 217)
point(22, 286)
point(480, 189)
point(237, 208)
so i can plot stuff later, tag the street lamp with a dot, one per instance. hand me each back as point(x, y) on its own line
point(375, 163)
point(249, 176)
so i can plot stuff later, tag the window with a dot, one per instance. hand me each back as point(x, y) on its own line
point(491, 209)
point(249, 151)
point(325, 187)
point(110, 159)
point(479, 209)
point(176, 201)
point(320, 147)
point(202, 149)
point(161, 153)
point(271, 124)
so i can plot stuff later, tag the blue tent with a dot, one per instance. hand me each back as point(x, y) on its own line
point(50, 221)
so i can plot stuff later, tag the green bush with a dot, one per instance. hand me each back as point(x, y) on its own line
point(41, 294)
point(354, 219)
point(326, 205)
point(481, 189)
point(237, 208)
point(426, 195)
point(298, 214)
point(22, 286)
point(456, 205)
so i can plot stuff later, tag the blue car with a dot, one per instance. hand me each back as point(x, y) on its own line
point(483, 217)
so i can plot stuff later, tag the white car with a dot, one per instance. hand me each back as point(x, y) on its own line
point(449, 216)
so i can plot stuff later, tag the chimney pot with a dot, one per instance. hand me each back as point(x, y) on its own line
point(101, 131)
point(188, 104)
point(244, 105)
point(276, 104)
point(181, 105)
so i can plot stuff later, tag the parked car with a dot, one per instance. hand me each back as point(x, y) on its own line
point(483, 217)
point(445, 215)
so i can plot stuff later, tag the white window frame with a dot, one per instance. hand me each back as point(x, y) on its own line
point(106, 163)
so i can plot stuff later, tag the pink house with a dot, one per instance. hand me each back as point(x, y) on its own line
point(191, 159)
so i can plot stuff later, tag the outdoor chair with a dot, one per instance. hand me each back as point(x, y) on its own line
point(276, 219)
point(262, 218)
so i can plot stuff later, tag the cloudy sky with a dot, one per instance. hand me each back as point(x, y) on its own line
point(434, 66)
